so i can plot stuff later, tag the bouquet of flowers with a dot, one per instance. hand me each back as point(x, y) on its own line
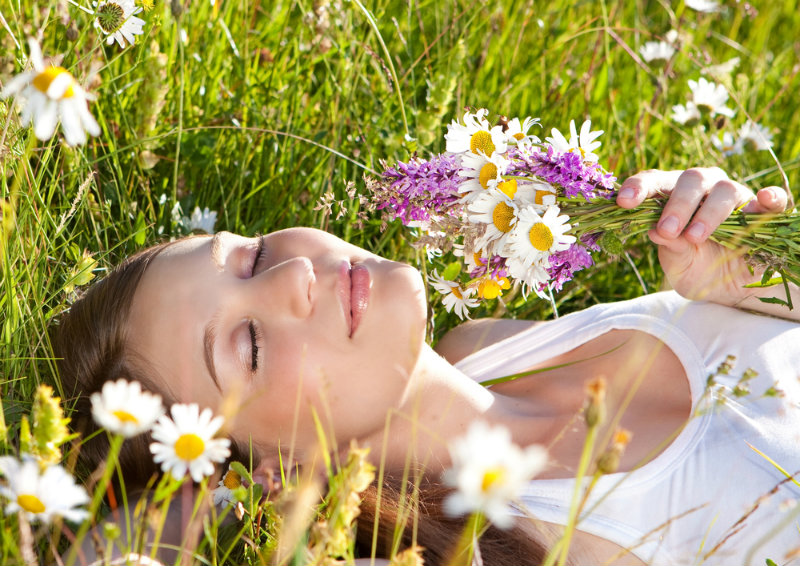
point(519, 210)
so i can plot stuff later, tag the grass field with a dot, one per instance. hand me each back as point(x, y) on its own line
point(262, 109)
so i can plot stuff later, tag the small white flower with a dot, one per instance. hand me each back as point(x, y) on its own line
point(498, 212)
point(656, 51)
point(455, 298)
point(725, 68)
point(480, 173)
point(534, 237)
point(489, 471)
point(755, 137)
point(117, 20)
point(533, 277)
point(202, 220)
point(585, 142)
point(710, 97)
point(41, 495)
point(516, 131)
point(122, 407)
point(706, 6)
point(475, 135)
point(186, 442)
point(727, 145)
point(51, 94)
point(223, 494)
point(687, 115)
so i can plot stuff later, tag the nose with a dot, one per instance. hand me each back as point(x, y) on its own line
point(288, 285)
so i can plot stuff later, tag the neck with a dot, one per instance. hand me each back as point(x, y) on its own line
point(439, 404)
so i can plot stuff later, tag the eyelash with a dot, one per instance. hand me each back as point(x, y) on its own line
point(255, 335)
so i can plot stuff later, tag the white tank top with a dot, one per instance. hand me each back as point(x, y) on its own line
point(709, 497)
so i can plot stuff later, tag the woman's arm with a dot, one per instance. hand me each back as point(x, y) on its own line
point(699, 200)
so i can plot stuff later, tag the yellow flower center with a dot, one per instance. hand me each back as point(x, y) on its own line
point(481, 140)
point(232, 480)
point(30, 503)
point(538, 198)
point(43, 80)
point(518, 136)
point(457, 292)
point(492, 477)
point(508, 187)
point(189, 446)
point(125, 416)
point(502, 216)
point(489, 289)
point(541, 236)
point(476, 257)
point(487, 173)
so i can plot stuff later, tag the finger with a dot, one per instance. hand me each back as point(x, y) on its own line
point(676, 246)
point(722, 199)
point(768, 199)
point(645, 184)
point(690, 189)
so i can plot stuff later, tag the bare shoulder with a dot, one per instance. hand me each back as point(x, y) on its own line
point(473, 335)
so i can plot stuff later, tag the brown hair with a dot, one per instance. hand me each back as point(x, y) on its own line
point(90, 342)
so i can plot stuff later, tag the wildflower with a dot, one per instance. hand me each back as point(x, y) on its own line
point(499, 213)
point(687, 115)
point(564, 264)
point(656, 51)
point(475, 135)
point(585, 142)
point(517, 131)
point(755, 137)
point(41, 495)
point(710, 97)
point(608, 461)
point(186, 442)
point(202, 220)
point(480, 173)
point(706, 6)
point(117, 19)
point(51, 94)
point(48, 430)
point(727, 145)
point(534, 237)
point(123, 408)
point(231, 481)
point(456, 298)
point(725, 68)
point(595, 409)
point(491, 288)
point(489, 471)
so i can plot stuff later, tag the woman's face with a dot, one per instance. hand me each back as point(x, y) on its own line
point(265, 330)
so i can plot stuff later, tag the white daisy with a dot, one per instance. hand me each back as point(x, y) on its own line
point(755, 137)
point(533, 277)
point(516, 131)
point(455, 297)
point(186, 442)
point(498, 212)
point(123, 408)
point(223, 494)
point(710, 97)
point(706, 6)
point(41, 495)
point(534, 238)
point(202, 220)
point(475, 135)
point(687, 115)
point(727, 145)
point(117, 20)
point(536, 194)
point(584, 142)
point(51, 94)
point(480, 173)
point(657, 51)
point(489, 471)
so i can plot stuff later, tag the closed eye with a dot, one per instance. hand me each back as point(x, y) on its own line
point(255, 338)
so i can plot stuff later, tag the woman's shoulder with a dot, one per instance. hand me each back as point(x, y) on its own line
point(475, 335)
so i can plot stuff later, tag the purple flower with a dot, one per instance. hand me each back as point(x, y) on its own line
point(419, 189)
point(565, 263)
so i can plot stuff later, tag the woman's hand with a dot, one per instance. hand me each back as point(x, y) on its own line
point(699, 200)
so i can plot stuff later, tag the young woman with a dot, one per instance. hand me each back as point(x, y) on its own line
point(269, 330)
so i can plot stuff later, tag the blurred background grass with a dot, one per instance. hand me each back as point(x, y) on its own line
point(260, 109)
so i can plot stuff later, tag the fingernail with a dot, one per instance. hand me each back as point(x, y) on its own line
point(696, 230)
point(772, 194)
point(627, 193)
point(669, 225)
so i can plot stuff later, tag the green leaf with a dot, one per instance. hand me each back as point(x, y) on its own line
point(239, 468)
point(451, 271)
point(773, 300)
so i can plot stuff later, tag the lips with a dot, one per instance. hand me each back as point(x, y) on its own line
point(354, 286)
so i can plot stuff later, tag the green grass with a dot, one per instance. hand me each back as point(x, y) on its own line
point(257, 108)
